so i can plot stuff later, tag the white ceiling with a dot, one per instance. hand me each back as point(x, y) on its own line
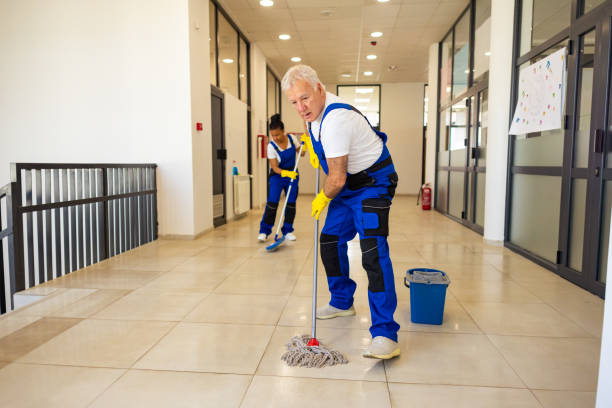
point(339, 43)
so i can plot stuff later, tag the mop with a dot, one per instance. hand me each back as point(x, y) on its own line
point(278, 241)
point(305, 350)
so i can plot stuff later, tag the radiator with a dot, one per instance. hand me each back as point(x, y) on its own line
point(242, 194)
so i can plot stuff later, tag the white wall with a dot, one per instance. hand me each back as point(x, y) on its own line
point(199, 47)
point(258, 124)
point(432, 120)
point(500, 73)
point(604, 391)
point(401, 117)
point(236, 145)
point(101, 81)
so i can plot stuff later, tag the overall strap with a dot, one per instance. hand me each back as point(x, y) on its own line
point(275, 148)
point(290, 141)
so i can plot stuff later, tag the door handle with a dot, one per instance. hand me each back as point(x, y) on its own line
point(475, 153)
point(600, 136)
point(222, 154)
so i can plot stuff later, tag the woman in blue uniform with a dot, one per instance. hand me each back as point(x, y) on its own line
point(282, 151)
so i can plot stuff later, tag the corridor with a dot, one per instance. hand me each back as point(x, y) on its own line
point(203, 324)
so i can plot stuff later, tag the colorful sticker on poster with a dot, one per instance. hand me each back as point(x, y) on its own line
point(540, 95)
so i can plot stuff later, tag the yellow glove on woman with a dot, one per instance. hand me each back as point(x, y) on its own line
point(319, 203)
point(288, 173)
point(314, 159)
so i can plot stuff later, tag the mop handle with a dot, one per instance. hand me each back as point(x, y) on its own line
point(314, 271)
point(282, 217)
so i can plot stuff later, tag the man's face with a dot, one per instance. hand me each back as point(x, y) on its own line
point(307, 100)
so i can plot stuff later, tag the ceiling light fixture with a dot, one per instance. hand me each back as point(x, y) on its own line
point(383, 1)
point(266, 3)
point(364, 90)
point(284, 36)
point(296, 59)
point(376, 34)
point(368, 73)
point(361, 107)
point(371, 57)
point(345, 75)
point(228, 60)
point(362, 100)
point(488, 53)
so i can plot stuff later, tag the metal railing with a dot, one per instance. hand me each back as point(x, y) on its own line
point(58, 218)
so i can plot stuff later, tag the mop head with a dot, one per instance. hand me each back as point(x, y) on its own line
point(274, 246)
point(300, 354)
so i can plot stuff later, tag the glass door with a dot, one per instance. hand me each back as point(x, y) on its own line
point(585, 218)
point(477, 159)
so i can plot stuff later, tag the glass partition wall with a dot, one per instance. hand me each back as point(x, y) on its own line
point(559, 199)
point(463, 110)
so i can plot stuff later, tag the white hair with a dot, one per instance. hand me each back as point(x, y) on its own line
point(297, 72)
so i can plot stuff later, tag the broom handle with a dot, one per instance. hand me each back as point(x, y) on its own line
point(316, 265)
point(282, 217)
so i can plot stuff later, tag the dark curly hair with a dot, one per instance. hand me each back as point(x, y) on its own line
point(276, 123)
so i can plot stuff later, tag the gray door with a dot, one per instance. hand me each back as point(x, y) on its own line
point(219, 155)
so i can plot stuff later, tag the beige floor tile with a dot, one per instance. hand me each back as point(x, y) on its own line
point(436, 396)
point(247, 309)
point(491, 291)
point(38, 291)
point(523, 319)
point(88, 305)
point(483, 272)
point(258, 284)
point(150, 305)
point(105, 279)
point(3, 364)
point(10, 323)
point(298, 312)
point(204, 347)
point(455, 320)
point(279, 392)
point(26, 385)
point(26, 339)
point(163, 389)
point(100, 343)
point(552, 363)
point(565, 399)
point(350, 342)
point(55, 301)
point(457, 359)
point(189, 280)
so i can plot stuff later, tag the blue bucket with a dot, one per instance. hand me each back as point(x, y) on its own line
point(427, 295)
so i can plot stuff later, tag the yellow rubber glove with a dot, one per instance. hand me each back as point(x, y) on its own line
point(314, 159)
point(319, 203)
point(288, 173)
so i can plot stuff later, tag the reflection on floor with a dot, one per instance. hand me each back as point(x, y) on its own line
point(204, 323)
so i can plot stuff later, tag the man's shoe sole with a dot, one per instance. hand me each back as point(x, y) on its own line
point(349, 312)
point(394, 353)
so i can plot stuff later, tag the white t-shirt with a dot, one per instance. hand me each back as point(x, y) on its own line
point(347, 132)
point(272, 154)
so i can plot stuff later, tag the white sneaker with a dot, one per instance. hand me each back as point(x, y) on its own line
point(329, 312)
point(383, 348)
point(262, 237)
point(290, 236)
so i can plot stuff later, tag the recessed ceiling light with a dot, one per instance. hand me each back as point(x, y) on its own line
point(364, 90)
point(362, 100)
point(296, 59)
point(266, 3)
point(383, 1)
point(371, 57)
point(488, 53)
point(376, 34)
point(367, 73)
point(345, 75)
point(284, 36)
point(361, 107)
point(448, 89)
point(227, 60)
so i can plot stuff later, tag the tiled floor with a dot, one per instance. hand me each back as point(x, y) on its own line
point(204, 323)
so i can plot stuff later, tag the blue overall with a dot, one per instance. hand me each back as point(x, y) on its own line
point(362, 206)
point(278, 184)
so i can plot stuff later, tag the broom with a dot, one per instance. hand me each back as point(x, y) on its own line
point(305, 350)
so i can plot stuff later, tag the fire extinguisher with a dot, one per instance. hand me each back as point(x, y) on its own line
point(263, 144)
point(425, 192)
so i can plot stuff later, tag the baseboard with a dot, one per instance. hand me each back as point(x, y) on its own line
point(185, 237)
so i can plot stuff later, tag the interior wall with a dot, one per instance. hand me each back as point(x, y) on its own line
point(236, 145)
point(432, 120)
point(103, 83)
point(199, 50)
point(258, 124)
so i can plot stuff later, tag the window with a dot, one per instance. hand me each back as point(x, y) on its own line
point(446, 64)
point(244, 63)
point(366, 98)
point(228, 56)
point(482, 37)
point(541, 20)
point(461, 55)
point(212, 39)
